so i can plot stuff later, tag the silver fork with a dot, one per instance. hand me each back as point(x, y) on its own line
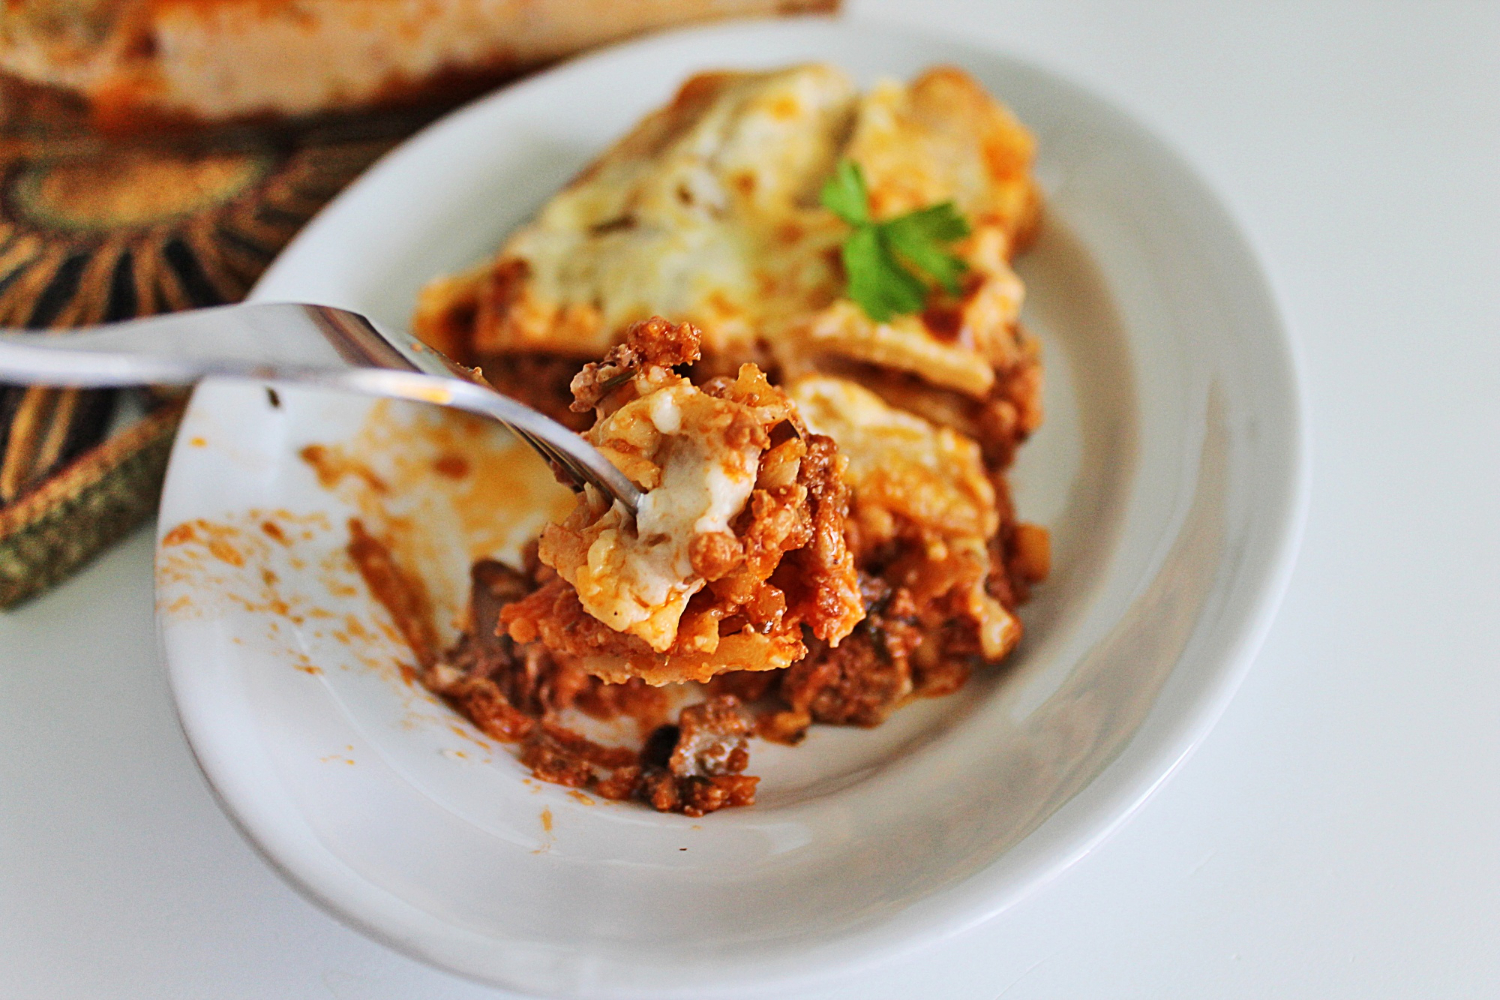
point(314, 345)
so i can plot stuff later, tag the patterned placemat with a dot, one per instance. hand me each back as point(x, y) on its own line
point(94, 229)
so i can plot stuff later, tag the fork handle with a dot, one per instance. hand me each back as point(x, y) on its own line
point(317, 345)
point(254, 341)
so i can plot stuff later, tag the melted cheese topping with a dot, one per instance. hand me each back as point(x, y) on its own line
point(899, 463)
point(708, 212)
point(675, 442)
point(911, 477)
point(703, 213)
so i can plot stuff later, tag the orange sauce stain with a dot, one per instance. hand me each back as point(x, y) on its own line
point(389, 631)
point(578, 796)
point(441, 475)
point(331, 465)
point(209, 566)
point(179, 535)
point(224, 551)
point(198, 442)
point(444, 487)
point(547, 838)
point(450, 465)
point(469, 735)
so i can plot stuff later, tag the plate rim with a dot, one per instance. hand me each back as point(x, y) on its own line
point(972, 901)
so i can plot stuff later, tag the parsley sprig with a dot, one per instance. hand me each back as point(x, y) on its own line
point(885, 261)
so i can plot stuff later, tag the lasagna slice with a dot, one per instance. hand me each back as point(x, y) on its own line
point(738, 545)
point(708, 212)
point(827, 530)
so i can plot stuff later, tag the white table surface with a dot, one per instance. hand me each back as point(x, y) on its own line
point(1338, 835)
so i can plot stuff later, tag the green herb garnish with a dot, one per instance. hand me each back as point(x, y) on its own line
point(885, 261)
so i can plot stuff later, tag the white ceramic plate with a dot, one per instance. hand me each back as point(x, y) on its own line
point(1171, 472)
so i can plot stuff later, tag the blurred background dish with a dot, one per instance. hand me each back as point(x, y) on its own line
point(138, 62)
point(156, 155)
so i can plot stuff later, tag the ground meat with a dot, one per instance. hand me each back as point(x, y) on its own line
point(557, 754)
point(552, 617)
point(514, 692)
point(696, 796)
point(783, 568)
point(402, 594)
point(710, 739)
point(654, 342)
point(818, 577)
point(748, 686)
point(791, 575)
point(859, 682)
point(484, 652)
point(703, 769)
point(944, 660)
point(715, 553)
